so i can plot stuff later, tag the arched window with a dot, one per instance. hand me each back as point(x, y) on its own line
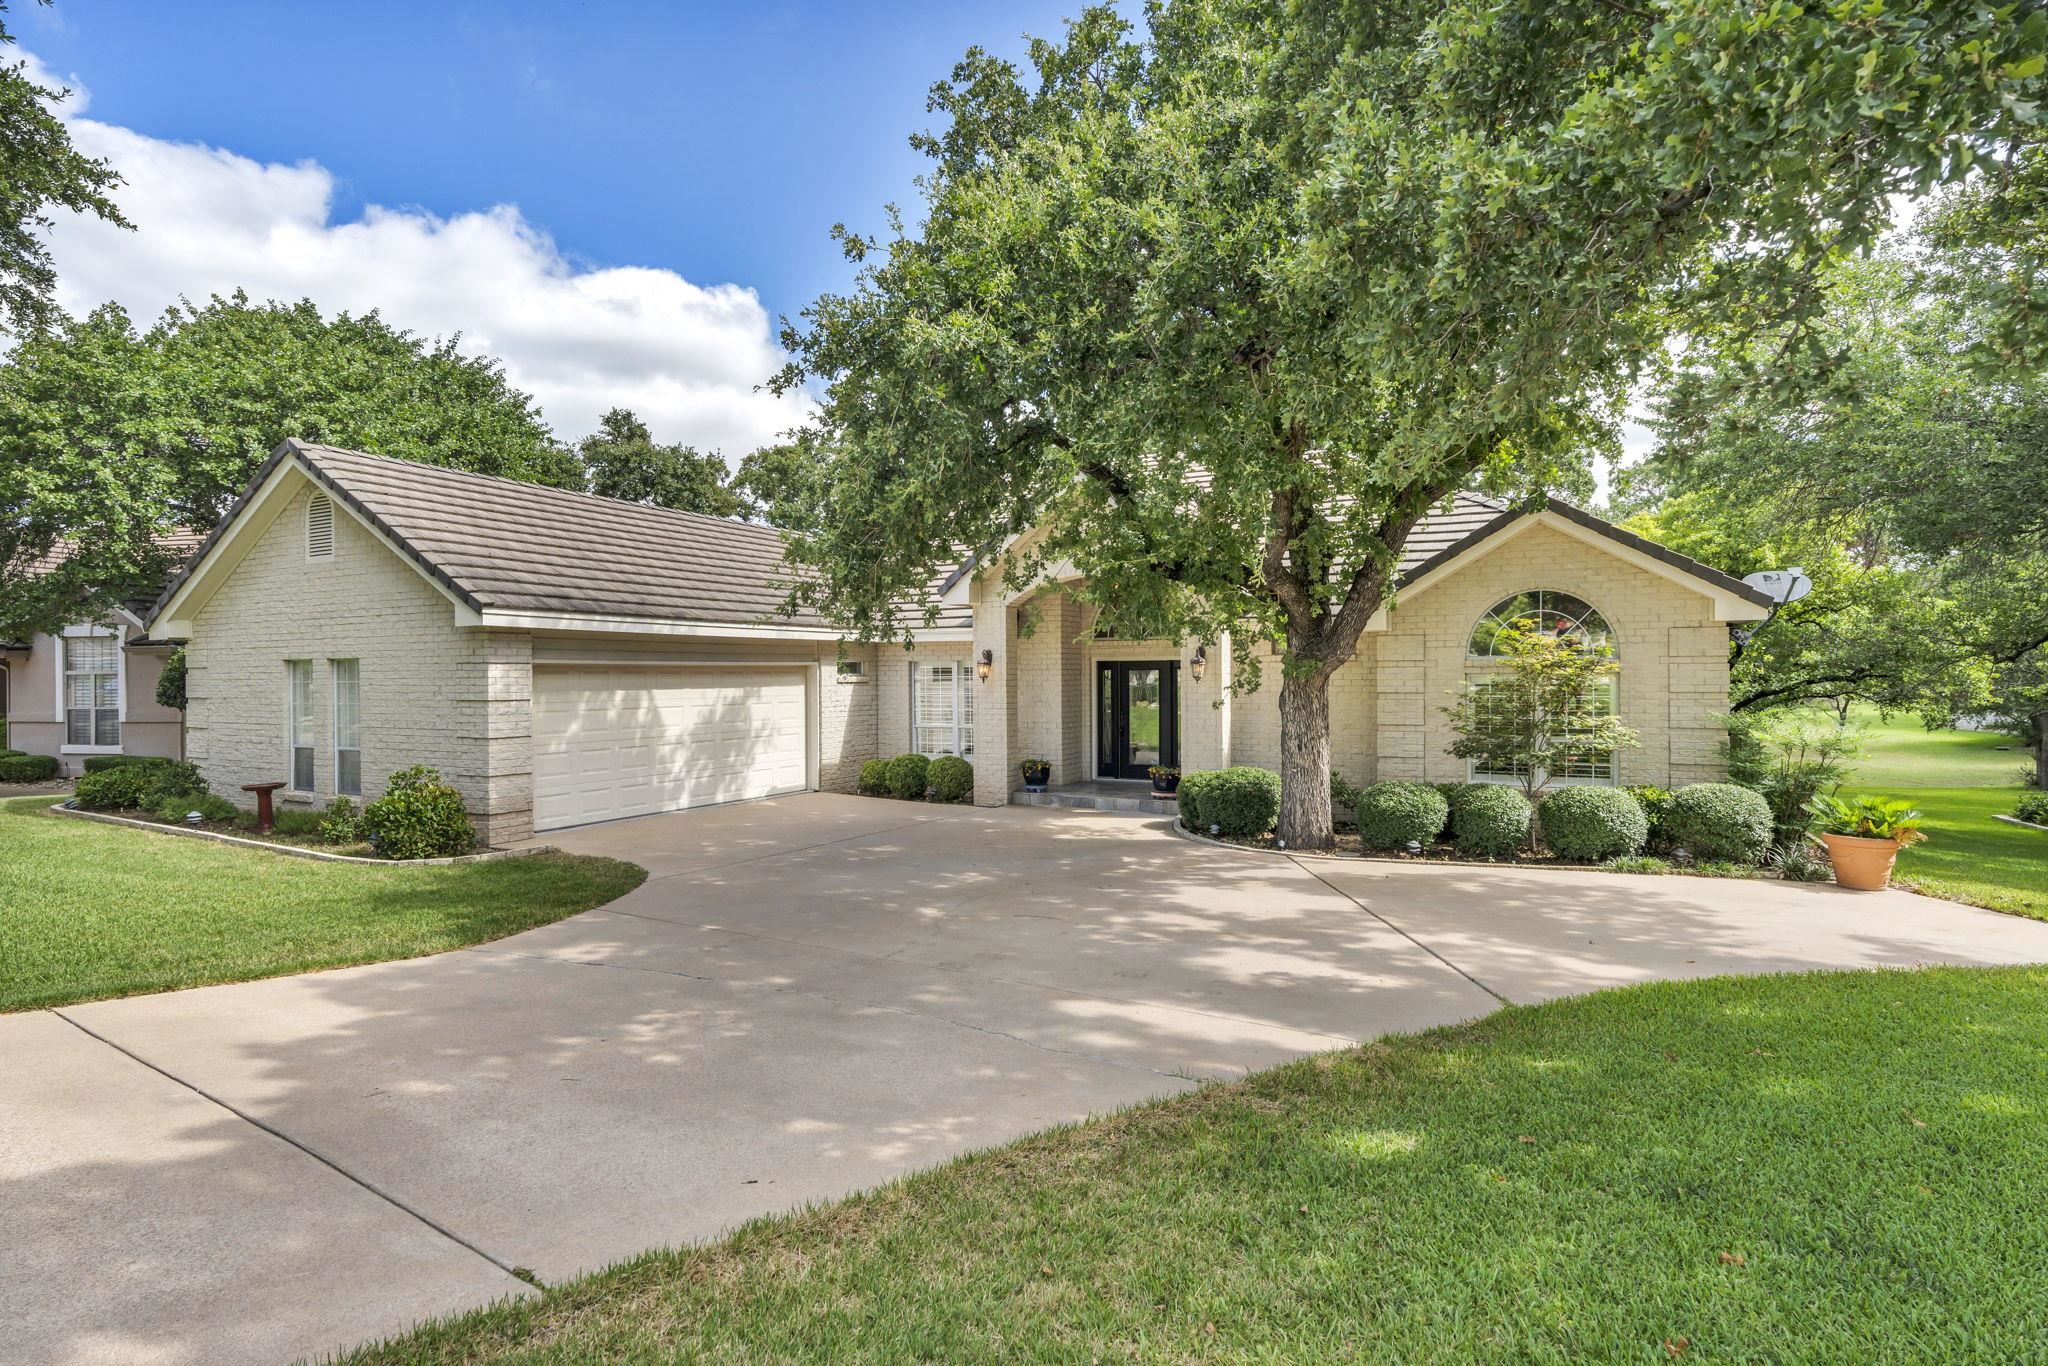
point(1559, 614)
point(1543, 609)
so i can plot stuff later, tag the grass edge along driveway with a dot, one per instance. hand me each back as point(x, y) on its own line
point(1817, 1166)
point(90, 911)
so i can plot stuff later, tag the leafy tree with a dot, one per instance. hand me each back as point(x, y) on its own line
point(1537, 715)
point(109, 436)
point(1228, 308)
point(1994, 235)
point(777, 481)
point(170, 683)
point(622, 460)
point(39, 171)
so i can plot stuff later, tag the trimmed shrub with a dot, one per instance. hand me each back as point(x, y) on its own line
point(1489, 820)
point(1717, 822)
point(27, 768)
point(112, 789)
point(174, 809)
point(1391, 815)
point(874, 778)
point(952, 779)
point(2033, 807)
point(1242, 802)
point(342, 822)
point(909, 776)
point(1656, 804)
point(1593, 823)
point(419, 816)
point(97, 763)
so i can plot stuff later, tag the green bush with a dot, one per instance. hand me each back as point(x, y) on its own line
point(138, 784)
point(111, 789)
point(1656, 804)
point(874, 778)
point(27, 768)
point(304, 824)
point(952, 779)
point(909, 776)
point(1593, 823)
point(2033, 807)
point(1717, 822)
point(98, 763)
point(1391, 815)
point(342, 822)
point(1345, 795)
point(419, 816)
point(216, 810)
point(1241, 802)
point(1490, 820)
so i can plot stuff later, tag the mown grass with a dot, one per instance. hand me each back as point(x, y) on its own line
point(1971, 856)
point(1902, 752)
point(1842, 1166)
point(89, 911)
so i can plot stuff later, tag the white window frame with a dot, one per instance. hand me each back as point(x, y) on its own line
point(1475, 682)
point(958, 727)
point(63, 695)
point(335, 668)
point(293, 721)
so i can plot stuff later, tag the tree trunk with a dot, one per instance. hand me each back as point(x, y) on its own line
point(1305, 760)
point(2041, 750)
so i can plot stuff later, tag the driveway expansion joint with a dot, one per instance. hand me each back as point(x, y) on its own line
point(518, 1273)
point(1398, 930)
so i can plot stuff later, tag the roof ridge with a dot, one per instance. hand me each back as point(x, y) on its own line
point(456, 472)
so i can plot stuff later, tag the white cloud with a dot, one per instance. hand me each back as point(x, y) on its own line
point(686, 357)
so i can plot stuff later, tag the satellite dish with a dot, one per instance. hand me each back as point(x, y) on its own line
point(1781, 585)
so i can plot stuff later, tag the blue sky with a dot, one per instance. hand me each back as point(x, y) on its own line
point(718, 143)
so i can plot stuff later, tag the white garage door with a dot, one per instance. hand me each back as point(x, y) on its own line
point(629, 742)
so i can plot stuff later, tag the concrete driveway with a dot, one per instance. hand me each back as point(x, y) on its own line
point(808, 996)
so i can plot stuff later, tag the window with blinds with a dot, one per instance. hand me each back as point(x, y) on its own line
point(348, 727)
point(92, 691)
point(942, 709)
point(301, 727)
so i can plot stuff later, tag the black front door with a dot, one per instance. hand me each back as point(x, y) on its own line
point(1137, 717)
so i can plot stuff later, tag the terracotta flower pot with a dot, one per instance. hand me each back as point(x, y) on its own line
point(1863, 865)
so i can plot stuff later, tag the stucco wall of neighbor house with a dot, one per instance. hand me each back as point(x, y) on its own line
point(35, 724)
point(848, 713)
point(1673, 656)
point(432, 693)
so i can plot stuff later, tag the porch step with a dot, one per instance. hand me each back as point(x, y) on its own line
point(1087, 798)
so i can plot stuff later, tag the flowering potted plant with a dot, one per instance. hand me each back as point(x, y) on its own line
point(1037, 774)
point(1165, 779)
point(1863, 836)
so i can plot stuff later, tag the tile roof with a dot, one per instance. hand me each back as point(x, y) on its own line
point(502, 545)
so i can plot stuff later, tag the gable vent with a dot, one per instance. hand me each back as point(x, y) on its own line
point(320, 527)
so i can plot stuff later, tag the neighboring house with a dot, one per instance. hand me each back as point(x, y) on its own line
point(566, 659)
point(91, 688)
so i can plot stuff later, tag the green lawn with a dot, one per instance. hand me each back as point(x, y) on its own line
point(1960, 780)
point(1825, 1167)
point(1903, 753)
point(90, 911)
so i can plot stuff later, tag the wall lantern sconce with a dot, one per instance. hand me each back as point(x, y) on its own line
point(1199, 665)
point(985, 666)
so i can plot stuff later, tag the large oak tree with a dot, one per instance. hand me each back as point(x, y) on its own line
point(1227, 306)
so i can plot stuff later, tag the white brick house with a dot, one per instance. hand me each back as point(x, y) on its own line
point(564, 659)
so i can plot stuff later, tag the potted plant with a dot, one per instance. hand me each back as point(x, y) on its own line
point(1863, 836)
point(1037, 774)
point(1165, 779)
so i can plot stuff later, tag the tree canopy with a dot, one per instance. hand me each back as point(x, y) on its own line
point(622, 460)
point(110, 436)
point(1227, 306)
point(40, 170)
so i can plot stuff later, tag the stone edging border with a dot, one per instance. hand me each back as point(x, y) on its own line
point(2015, 820)
point(295, 851)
